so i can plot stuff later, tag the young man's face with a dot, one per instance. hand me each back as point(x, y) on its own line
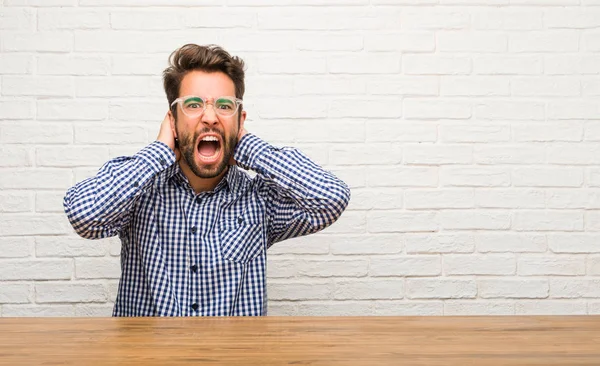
point(207, 142)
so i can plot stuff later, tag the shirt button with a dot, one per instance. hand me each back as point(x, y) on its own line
point(162, 161)
point(193, 229)
point(245, 157)
point(136, 184)
point(194, 268)
point(240, 220)
point(195, 306)
point(198, 199)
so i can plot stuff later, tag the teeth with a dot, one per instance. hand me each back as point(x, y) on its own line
point(209, 138)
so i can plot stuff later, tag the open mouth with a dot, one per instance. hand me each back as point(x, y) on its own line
point(209, 148)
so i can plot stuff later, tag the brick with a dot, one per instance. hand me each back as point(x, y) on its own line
point(582, 154)
point(572, 199)
point(16, 246)
point(80, 109)
point(97, 268)
point(574, 243)
point(16, 109)
point(475, 177)
point(15, 63)
point(403, 85)
point(507, 64)
point(474, 133)
point(49, 202)
point(475, 219)
point(300, 107)
point(548, 131)
point(510, 242)
point(15, 156)
point(110, 134)
point(364, 64)
point(394, 131)
point(40, 3)
point(69, 246)
point(420, 288)
point(591, 41)
point(380, 198)
point(355, 177)
point(471, 41)
point(331, 267)
point(366, 244)
point(510, 198)
point(502, 110)
point(572, 64)
point(592, 220)
point(147, 19)
point(15, 293)
point(513, 288)
point(594, 177)
point(151, 110)
point(329, 19)
point(402, 42)
point(16, 201)
point(32, 269)
point(419, 265)
point(509, 154)
point(20, 178)
point(292, 290)
point(490, 264)
point(351, 222)
point(594, 308)
point(37, 310)
point(72, 18)
point(365, 154)
point(544, 41)
point(316, 84)
point(435, 109)
point(560, 265)
point(355, 108)
point(437, 154)
point(70, 156)
point(36, 133)
point(17, 19)
point(431, 18)
point(146, 3)
point(118, 86)
point(137, 64)
point(474, 85)
point(406, 308)
point(401, 221)
point(333, 308)
point(477, 308)
point(540, 220)
point(70, 292)
point(546, 307)
point(51, 41)
point(593, 265)
point(328, 42)
point(133, 42)
point(33, 224)
point(436, 65)
point(402, 177)
point(439, 243)
point(87, 310)
point(292, 65)
point(574, 288)
point(590, 87)
point(369, 289)
point(506, 19)
point(42, 86)
point(437, 198)
point(547, 177)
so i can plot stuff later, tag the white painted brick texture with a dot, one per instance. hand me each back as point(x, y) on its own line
point(468, 131)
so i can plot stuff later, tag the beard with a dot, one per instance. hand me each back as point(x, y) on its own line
point(188, 147)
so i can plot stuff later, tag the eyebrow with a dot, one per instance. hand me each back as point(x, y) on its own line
point(195, 99)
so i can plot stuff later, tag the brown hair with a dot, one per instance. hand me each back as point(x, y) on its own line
point(209, 58)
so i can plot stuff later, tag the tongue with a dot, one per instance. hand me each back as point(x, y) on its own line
point(208, 148)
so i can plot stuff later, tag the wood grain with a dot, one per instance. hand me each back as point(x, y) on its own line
point(509, 340)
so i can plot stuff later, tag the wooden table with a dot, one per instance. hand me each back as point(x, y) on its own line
point(509, 340)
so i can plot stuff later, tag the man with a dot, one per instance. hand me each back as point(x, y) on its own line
point(194, 228)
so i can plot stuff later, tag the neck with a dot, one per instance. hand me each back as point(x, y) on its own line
point(200, 184)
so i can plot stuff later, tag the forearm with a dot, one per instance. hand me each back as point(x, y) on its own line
point(98, 207)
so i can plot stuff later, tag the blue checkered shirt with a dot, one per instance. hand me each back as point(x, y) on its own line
point(188, 254)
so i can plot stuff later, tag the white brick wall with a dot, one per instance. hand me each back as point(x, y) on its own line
point(467, 129)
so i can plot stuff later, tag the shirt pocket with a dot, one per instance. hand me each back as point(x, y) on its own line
point(241, 241)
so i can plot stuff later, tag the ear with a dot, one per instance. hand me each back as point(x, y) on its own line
point(242, 120)
point(172, 120)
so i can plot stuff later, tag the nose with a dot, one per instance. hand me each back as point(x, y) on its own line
point(209, 117)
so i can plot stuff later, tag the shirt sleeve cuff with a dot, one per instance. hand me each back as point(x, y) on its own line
point(158, 156)
point(249, 150)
